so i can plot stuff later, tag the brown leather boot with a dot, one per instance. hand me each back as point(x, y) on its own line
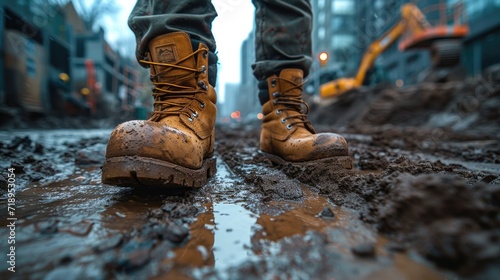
point(175, 146)
point(287, 135)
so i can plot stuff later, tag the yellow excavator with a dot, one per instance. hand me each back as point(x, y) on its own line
point(443, 41)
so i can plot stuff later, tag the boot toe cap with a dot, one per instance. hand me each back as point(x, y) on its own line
point(329, 145)
point(155, 140)
point(312, 147)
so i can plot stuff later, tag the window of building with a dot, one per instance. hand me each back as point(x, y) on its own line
point(321, 18)
point(109, 61)
point(343, 7)
point(80, 47)
point(412, 58)
point(342, 41)
point(321, 33)
point(12, 21)
point(342, 23)
point(59, 56)
point(109, 82)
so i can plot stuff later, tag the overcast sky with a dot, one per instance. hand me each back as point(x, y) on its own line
point(230, 28)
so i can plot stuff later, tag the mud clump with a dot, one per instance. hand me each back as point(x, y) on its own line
point(450, 222)
point(92, 155)
point(166, 228)
point(3, 185)
point(272, 185)
point(365, 250)
point(326, 213)
point(372, 161)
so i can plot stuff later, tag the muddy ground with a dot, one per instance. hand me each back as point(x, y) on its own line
point(422, 202)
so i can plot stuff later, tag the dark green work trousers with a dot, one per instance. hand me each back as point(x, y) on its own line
point(282, 39)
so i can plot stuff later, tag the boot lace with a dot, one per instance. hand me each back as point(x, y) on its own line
point(292, 103)
point(170, 96)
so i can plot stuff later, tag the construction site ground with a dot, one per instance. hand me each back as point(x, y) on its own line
point(421, 202)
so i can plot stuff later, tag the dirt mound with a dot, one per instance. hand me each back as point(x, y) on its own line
point(462, 106)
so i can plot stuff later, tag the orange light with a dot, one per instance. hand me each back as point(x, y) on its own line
point(260, 116)
point(85, 91)
point(64, 77)
point(236, 115)
point(323, 56)
point(323, 59)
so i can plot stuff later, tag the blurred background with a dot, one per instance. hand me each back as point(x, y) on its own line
point(67, 60)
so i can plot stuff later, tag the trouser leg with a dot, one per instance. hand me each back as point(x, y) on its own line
point(283, 36)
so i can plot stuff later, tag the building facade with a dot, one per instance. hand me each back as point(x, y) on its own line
point(243, 97)
point(35, 47)
point(481, 46)
point(334, 31)
point(51, 63)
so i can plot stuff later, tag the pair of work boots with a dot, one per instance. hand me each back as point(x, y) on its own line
point(175, 146)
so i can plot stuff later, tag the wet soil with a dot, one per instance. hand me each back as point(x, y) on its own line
point(422, 202)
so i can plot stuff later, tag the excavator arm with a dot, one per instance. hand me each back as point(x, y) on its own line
point(412, 20)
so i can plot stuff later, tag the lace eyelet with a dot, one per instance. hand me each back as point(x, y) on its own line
point(278, 112)
point(203, 69)
point(202, 105)
point(273, 82)
point(283, 120)
point(202, 85)
point(289, 127)
point(276, 94)
point(190, 119)
point(195, 114)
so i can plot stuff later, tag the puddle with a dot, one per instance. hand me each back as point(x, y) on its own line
point(232, 232)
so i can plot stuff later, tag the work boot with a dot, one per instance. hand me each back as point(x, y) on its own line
point(287, 135)
point(175, 146)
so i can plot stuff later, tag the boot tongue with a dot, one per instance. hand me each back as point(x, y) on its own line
point(295, 77)
point(172, 48)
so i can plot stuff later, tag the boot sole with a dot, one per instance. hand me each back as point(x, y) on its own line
point(336, 163)
point(134, 171)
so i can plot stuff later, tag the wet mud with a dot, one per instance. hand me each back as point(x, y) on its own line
point(421, 202)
